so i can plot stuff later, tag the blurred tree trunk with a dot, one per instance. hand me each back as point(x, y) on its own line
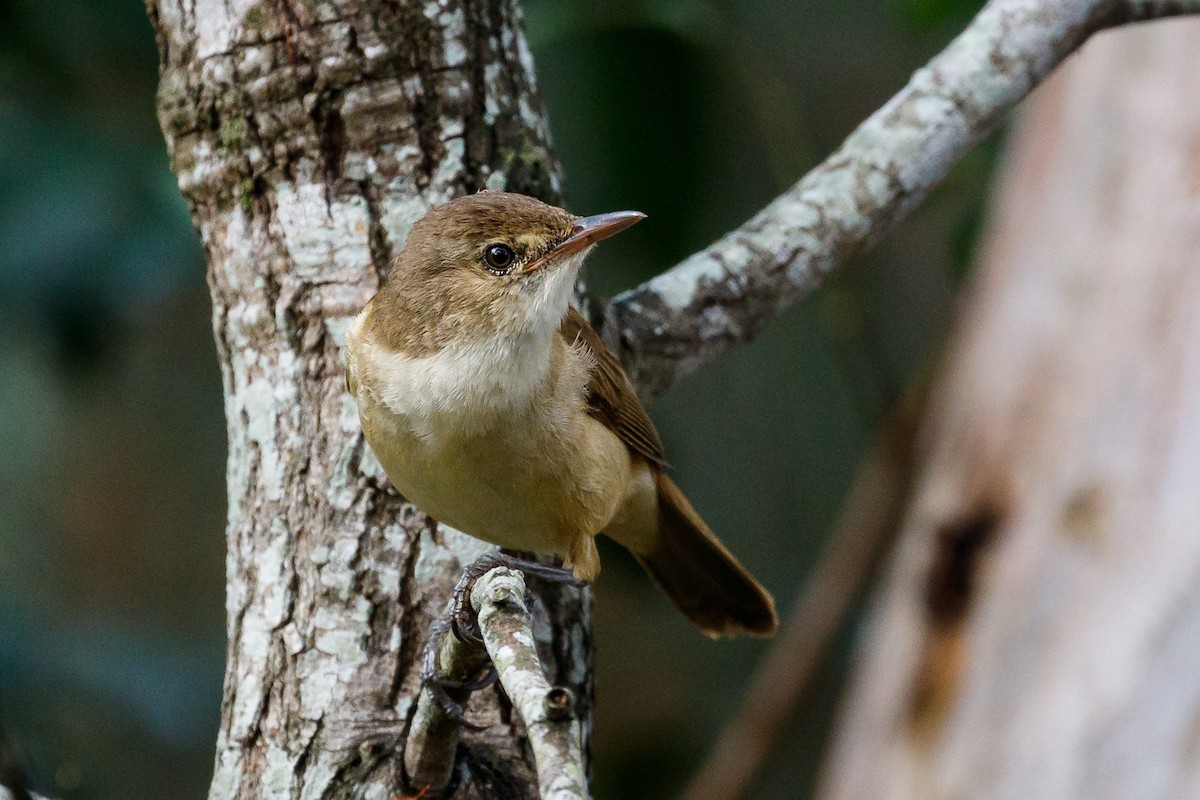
point(1038, 635)
point(307, 138)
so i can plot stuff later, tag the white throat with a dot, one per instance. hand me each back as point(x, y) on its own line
point(470, 385)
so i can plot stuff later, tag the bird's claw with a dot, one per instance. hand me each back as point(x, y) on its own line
point(450, 708)
point(463, 620)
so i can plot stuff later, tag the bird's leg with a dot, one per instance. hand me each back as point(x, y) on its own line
point(466, 626)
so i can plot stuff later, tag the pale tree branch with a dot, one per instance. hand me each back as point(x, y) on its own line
point(725, 294)
point(547, 711)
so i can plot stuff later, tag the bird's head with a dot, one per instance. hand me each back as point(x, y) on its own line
point(486, 264)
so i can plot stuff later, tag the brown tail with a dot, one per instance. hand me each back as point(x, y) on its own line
point(701, 577)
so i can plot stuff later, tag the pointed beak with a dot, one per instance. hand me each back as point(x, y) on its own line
point(586, 232)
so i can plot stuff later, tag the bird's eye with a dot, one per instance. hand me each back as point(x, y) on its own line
point(498, 258)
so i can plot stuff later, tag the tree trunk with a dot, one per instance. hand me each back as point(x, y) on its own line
point(1039, 633)
point(307, 138)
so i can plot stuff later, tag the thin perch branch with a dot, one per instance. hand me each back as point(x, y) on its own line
point(724, 295)
point(547, 711)
point(433, 736)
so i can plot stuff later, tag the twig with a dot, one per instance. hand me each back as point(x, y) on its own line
point(547, 711)
point(864, 529)
point(724, 295)
point(433, 738)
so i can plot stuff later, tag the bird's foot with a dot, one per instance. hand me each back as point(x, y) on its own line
point(440, 685)
point(462, 616)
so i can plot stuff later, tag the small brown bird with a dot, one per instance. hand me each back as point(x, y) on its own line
point(496, 408)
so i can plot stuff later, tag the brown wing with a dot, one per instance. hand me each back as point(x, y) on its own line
point(611, 398)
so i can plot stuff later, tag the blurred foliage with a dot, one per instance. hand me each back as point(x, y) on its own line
point(111, 434)
point(92, 228)
point(926, 15)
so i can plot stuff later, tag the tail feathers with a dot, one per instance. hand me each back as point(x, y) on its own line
point(701, 577)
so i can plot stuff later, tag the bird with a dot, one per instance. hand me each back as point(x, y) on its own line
point(495, 407)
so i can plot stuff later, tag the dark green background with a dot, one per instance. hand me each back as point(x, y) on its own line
point(111, 431)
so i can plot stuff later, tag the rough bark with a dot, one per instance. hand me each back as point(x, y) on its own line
point(306, 139)
point(1039, 632)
